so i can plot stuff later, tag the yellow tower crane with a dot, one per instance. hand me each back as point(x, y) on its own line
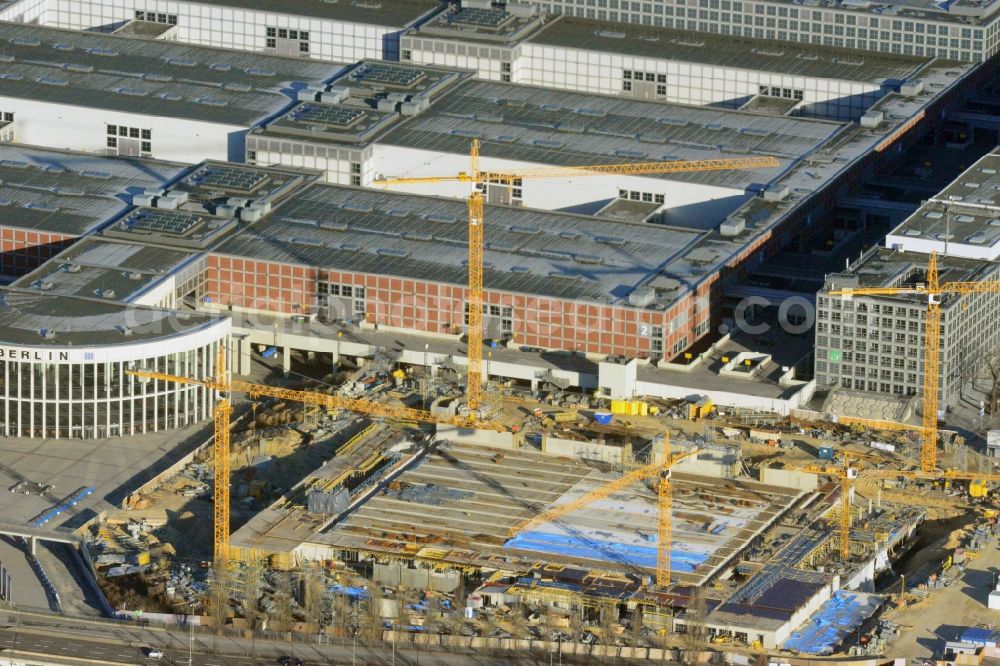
point(846, 473)
point(932, 290)
point(664, 505)
point(479, 179)
point(223, 411)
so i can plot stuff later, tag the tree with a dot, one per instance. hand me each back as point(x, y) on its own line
point(609, 621)
point(312, 598)
point(635, 637)
point(250, 601)
point(694, 638)
point(283, 601)
point(991, 368)
point(218, 597)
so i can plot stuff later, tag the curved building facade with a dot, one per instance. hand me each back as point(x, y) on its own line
point(63, 364)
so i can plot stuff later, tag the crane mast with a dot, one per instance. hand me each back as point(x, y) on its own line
point(932, 290)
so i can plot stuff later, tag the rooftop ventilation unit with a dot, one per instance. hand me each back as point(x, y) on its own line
point(776, 193)
point(47, 333)
point(733, 226)
point(872, 119)
point(73, 268)
point(107, 293)
point(251, 214)
point(642, 297)
point(933, 215)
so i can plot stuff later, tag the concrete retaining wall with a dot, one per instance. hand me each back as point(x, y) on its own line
point(789, 478)
point(584, 450)
point(395, 575)
point(490, 438)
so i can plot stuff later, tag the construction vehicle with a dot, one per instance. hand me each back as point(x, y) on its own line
point(480, 179)
point(664, 524)
point(934, 291)
point(222, 383)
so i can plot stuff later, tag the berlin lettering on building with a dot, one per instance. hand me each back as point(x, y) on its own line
point(8, 354)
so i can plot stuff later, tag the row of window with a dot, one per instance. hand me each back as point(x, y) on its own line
point(647, 197)
point(145, 137)
point(971, 51)
point(785, 93)
point(155, 17)
point(699, 7)
point(636, 75)
point(274, 34)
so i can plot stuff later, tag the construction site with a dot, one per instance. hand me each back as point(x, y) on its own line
point(547, 524)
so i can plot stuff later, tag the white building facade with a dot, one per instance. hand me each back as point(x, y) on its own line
point(78, 392)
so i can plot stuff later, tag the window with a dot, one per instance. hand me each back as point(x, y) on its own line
point(658, 198)
point(146, 146)
point(505, 67)
point(356, 181)
point(272, 32)
point(271, 43)
point(406, 54)
point(627, 86)
point(303, 47)
point(355, 167)
point(112, 142)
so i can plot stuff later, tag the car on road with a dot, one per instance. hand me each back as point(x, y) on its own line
point(290, 661)
point(153, 653)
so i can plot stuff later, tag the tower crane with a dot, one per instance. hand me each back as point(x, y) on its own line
point(933, 290)
point(664, 537)
point(479, 179)
point(221, 383)
point(846, 473)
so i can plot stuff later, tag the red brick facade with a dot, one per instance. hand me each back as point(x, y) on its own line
point(429, 306)
point(24, 250)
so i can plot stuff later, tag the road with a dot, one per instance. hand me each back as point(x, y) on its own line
point(949, 610)
point(111, 644)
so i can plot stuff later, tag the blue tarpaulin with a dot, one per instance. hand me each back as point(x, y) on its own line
point(832, 622)
point(606, 551)
point(351, 592)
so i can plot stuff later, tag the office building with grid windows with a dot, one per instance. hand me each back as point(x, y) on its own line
point(876, 343)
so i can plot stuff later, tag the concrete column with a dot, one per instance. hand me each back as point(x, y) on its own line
point(32, 545)
point(286, 360)
point(245, 358)
point(310, 356)
point(534, 384)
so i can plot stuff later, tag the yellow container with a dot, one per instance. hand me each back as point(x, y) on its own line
point(142, 558)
